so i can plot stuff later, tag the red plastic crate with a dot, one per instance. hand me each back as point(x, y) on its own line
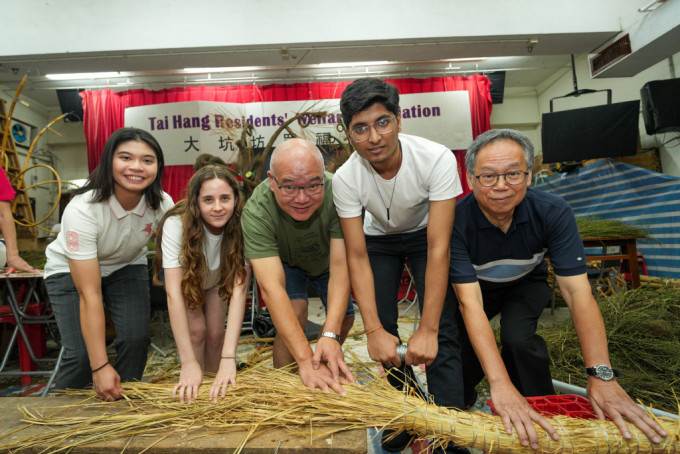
point(564, 404)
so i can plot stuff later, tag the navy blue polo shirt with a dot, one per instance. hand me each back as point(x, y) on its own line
point(543, 225)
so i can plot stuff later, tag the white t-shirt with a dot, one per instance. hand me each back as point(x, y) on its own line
point(105, 231)
point(172, 244)
point(428, 173)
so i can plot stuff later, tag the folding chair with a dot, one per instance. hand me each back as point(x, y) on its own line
point(30, 317)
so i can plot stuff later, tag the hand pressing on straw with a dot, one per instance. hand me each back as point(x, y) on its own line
point(329, 352)
point(514, 410)
point(225, 374)
point(321, 378)
point(607, 397)
point(106, 383)
point(190, 378)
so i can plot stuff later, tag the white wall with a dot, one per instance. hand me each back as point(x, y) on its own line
point(93, 25)
point(67, 155)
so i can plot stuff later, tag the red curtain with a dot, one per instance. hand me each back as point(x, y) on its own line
point(104, 110)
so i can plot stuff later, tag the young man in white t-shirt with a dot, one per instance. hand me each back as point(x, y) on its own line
point(396, 198)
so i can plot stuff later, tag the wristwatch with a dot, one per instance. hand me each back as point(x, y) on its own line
point(603, 372)
point(332, 335)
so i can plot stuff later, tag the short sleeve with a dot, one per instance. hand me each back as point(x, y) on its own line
point(259, 237)
point(565, 246)
point(171, 242)
point(444, 180)
point(345, 198)
point(461, 270)
point(6, 190)
point(80, 228)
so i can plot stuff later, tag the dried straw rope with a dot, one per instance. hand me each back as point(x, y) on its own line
point(266, 398)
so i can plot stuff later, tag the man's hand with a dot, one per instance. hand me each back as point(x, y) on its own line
point(422, 348)
point(107, 384)
point(514, 410)
point(329, 351)
point(190, 378)
point(321, 378)
point(607, 397)
point(382, 347)
point(225, 374)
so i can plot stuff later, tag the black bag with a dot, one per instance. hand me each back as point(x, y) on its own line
point(263, 326)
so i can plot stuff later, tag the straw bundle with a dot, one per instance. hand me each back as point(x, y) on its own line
point(643, 331)
point(266, 398)
point(593, 227)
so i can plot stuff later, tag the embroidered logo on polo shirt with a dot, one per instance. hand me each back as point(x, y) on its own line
point(147, 228)
point(72, 241)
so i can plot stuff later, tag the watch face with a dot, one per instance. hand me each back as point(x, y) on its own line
point(604, 372)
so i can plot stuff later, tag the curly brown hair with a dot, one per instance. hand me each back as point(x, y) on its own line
point(193, 261)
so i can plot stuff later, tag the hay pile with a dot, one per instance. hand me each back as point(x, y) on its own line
point(593, 227)
point(267, 398)
point(643, 330)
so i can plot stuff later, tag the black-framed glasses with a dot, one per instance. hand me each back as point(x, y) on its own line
point(292, 191)
point(382, 127)
point(513, 177)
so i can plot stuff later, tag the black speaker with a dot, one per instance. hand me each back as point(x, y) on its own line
point(71, 103)
point(661, 105)
point(497, 79)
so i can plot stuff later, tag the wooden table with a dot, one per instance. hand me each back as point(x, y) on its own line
point(628, 254)
point(278, 440)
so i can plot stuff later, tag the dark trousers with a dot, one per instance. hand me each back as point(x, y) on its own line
point(523, 351)
point(126, 296)
point(387, 254)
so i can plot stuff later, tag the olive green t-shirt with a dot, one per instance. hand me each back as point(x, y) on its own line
point(268, 231)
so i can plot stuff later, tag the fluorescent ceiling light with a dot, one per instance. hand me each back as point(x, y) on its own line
point(228, 69)
point(79, 76)
point(351, 64)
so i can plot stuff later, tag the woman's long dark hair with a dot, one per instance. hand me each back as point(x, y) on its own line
point(101, 178)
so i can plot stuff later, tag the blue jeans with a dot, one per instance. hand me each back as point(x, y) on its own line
point(296, 286)
point(126, 295)
point(387, 254)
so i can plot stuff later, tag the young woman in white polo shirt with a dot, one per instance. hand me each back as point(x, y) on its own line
point(99, 260)
point(200, 248)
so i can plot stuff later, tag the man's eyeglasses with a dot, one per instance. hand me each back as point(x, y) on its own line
point(514, 177)
point(292, 191)
point(382, 127)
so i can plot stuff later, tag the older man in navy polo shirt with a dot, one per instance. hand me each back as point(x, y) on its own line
point(502, 234)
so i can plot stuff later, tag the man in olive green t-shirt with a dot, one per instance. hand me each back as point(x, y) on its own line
point(292, 235)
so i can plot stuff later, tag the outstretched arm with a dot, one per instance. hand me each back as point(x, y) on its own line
point(191, 372)
point(606, 397)
point(272, 281)
point(382, 346)
point(9, 233)
point(329, 350)
point(87, 280)
point(237, 306)
point(510, 405)
point(424, 344)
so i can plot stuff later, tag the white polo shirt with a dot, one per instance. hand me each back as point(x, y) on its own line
point(172, 245)
point(105, 231)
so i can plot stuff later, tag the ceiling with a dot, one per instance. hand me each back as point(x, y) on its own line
point(528, 62)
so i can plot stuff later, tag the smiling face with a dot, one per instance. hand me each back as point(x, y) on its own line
point(216, 202)
point(135, 167)
point(498, 202)
point(379, 149)
point(297, 164)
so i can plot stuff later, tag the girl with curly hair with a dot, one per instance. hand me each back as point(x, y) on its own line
point(200, 249)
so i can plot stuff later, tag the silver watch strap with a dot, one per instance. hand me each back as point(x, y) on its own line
point(332, 335)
